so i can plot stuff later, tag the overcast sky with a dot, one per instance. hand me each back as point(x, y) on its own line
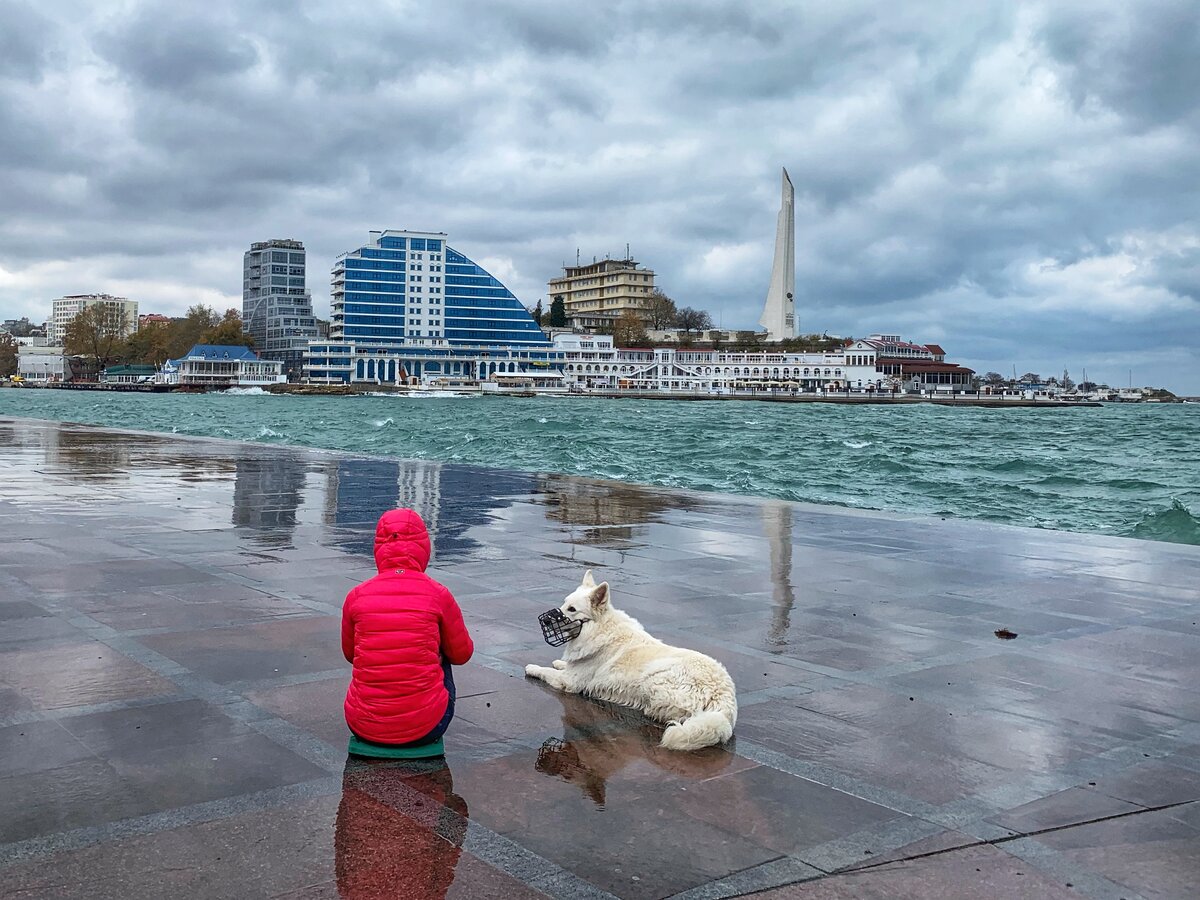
point(1016, 181)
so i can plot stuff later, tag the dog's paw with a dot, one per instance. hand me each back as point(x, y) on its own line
point(532, 671)
point(559, 664)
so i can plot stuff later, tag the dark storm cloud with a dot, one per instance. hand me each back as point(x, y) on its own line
point(168, 50)
point(1015, 181)
point(25, 36)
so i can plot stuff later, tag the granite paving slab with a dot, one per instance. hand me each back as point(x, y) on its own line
point(171, 687)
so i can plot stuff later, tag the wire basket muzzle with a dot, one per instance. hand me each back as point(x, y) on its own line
point(557, 629)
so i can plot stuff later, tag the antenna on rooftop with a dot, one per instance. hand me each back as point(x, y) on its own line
point(627, 256)
point(577, 256)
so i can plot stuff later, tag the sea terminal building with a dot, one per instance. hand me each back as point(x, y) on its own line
point(407, 307)
point(878, 363)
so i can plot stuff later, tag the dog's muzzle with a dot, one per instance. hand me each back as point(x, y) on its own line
point(557, 629)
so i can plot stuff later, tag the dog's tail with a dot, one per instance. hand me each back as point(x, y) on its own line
point(704, 729)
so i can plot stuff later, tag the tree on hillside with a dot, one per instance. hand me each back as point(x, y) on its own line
point(661, 310)
point(148, 344)
point(538, 312)
point(690, 320)
point(228, 332)
point(8, 354)
point(993, 379)
point(185, 333)
point(558, 313)
point(97, 331)
point(628, 330)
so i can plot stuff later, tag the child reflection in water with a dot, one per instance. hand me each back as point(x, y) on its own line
point(400, 829)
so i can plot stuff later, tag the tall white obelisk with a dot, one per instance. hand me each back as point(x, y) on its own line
point(779, 312)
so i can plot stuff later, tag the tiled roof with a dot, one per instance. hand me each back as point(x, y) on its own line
point(221, 351)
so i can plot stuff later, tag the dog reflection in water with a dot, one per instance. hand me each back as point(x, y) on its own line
point(602, 741)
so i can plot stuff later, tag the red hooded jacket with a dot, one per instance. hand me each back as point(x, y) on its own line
point(396, 628)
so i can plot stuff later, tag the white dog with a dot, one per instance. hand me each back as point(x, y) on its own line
point(614, 659)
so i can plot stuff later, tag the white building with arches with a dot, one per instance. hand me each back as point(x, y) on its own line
point(878, 363)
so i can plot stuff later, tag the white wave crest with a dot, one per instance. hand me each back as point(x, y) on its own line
point(856, 445)
point(245, 392)
point(384, 423)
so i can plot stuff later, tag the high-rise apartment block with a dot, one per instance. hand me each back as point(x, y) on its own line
point(119, 312)
point(277, 309)
point(597, 294)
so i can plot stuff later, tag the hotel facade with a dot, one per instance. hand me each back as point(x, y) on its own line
point(406, 306)
point(596, 295)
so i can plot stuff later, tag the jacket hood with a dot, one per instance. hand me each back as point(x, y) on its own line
point(401, 541)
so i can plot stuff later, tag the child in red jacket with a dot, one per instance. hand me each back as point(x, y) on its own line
point(402, 631)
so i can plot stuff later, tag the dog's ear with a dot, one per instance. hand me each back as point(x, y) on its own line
point(588, 580)
point(599, 595)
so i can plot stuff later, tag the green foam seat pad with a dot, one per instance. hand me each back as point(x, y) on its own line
point(378, 751)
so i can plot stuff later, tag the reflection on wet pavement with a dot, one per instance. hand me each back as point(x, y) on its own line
point(171, 685)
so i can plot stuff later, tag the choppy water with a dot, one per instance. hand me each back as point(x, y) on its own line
point(1121, 469)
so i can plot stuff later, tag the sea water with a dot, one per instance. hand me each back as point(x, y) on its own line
point(1121, 469)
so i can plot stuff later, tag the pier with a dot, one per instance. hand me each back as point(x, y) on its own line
point(171, 685)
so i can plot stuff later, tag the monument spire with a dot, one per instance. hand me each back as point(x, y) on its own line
point(779, 312)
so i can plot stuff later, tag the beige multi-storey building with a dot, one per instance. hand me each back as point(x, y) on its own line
point(596, 295)
point(67, 308)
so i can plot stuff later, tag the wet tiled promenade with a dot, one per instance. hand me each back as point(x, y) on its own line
point(171, 686)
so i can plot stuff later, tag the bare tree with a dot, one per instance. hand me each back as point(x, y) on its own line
point(628, 330)
point(690, 320)
point(995, 379)
point(660, 309)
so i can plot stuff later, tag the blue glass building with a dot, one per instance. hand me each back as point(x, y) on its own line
point(407, 305)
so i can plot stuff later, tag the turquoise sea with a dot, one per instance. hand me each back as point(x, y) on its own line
point(1130, 469)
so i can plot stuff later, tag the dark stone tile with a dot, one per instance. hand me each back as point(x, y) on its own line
point(775, 810)
point(110, 575)
point(88, 792)
point(281, 647)
point(261, 854)
point(937, 843)
point(174, 613)
point(651, 847)
point(1069, 807)
point(35, 746)
point(77, 673)
point(1151, 853)
point(315, 706)
point(789, 727)
point(1152, 783)
point(11, 610)
point(980, 873)
point(158, 727)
